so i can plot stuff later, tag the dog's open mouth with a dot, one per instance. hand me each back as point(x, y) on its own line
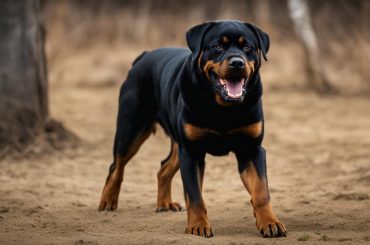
point(231, 89)
point(234, 89)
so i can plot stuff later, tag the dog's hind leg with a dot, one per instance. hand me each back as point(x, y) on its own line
point(169, 167)
point(135, 123)
point(109, 198)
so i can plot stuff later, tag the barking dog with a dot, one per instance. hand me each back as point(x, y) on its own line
point(208, 100)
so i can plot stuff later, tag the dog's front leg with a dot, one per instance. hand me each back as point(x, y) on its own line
point(191, 171)
point(254, 177)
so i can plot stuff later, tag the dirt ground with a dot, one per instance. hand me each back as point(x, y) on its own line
point(318, 165)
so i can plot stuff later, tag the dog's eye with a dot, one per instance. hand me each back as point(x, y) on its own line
point(218, 47)
point(246, 48)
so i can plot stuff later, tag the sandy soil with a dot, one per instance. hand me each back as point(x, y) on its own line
point(318, 166)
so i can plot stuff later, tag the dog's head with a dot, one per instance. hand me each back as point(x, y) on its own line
point(228, 54)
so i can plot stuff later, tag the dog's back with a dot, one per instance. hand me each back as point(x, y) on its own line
point(157, 64)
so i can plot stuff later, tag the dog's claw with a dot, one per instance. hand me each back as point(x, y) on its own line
point(281, 230)
point(173, 206)
point(271, 230)
point(161, 209)
point(206, 232)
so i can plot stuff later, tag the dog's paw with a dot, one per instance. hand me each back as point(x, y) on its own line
point(272, 229)
point(166, 206)
point(107, 205)
point(200, 230)
point(109, 198)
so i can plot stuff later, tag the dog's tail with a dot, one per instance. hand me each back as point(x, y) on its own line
point(139, 57)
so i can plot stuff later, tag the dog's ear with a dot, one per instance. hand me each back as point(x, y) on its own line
point(194, 37)
point(262, 37)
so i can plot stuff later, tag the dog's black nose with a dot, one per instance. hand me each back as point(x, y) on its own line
point(236, 63)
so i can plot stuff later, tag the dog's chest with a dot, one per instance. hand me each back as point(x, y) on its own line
point(222, 142)
point(195, 133)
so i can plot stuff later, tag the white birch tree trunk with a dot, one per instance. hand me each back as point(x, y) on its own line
point(299, 13)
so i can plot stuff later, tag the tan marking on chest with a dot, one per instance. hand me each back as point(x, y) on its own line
point(193, 132)
point(254, 130)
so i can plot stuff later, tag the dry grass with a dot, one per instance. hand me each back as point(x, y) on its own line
point(132, 26)
point(318, 157)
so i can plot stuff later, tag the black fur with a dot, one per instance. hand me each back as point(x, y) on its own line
point(168, 86)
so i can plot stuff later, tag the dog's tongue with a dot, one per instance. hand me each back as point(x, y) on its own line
point(234, 89)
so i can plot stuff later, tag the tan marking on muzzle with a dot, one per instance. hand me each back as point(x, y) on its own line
point(219, 68)
point(200, 59)
point(221, 102)
point(249, 68)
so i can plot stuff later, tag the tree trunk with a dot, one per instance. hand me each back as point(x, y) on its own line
point(317, 79)
point(262, 7)
point(23, 78)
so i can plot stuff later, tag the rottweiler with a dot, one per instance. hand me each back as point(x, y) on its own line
point(208, 100)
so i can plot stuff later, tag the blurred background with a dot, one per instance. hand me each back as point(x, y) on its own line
point(59, 114)
point(98, 29)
